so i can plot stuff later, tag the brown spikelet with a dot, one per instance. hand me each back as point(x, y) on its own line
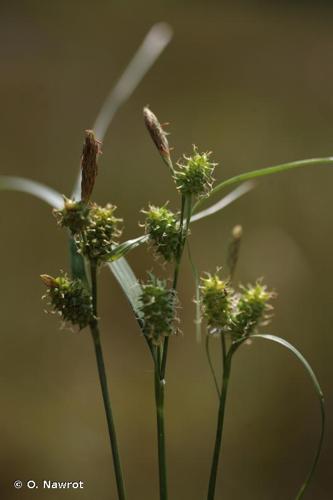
point(158, 135)
point(233, 249)
point(90, 153)
point(48, 280)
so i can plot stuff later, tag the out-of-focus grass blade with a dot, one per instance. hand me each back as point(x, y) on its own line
point(211, 365)
point(55, 200)
point(156, 40)
point(225, 201)
point(320, 395)
point(315, 162)
point(123, 273)
point(198, 319)
point(44, 193)
point(122, 249)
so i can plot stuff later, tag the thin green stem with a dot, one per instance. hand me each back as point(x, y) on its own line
point(159, 401)
point(219, 429)
point(104, 387)
point(195, 273)
point(93, 277)
point(185, 210)
point(211, 366)
point(227, 358)
point(224, 348)
point(162, 356)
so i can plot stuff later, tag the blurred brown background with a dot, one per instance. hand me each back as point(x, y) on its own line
point(251, 81)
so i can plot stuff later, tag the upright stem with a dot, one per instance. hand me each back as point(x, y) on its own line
point(159, 400)
point(186, 209)
point(104, 386)
point(160, 357)
point(219, 428)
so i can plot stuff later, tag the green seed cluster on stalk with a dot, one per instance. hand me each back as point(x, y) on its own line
point(237, 313)
point(162, 226)
point(158, 306)
point(74, 215)
point(195, 176)
point(100, 234)
point(216, 301)
point(252, 308)
point(94, 232)
point(70, 299)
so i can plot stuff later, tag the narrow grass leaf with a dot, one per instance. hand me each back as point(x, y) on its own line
point(156, 40)
point(225, 201)
point(55, 200)
point(314, 162)
point(126, 278)
point(319, 393)
point(44, 193)
point(122, 249)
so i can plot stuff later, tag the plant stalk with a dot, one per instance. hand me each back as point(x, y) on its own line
point(104, 387)
point(160, 357)
point(219, 428)
point(186, 209)
point(159, 400)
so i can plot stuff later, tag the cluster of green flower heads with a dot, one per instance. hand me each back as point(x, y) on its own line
point(216, 301)
point(195, 176)
point(158, 309)
point(100, 234)
point(162, 227)
point(95, 228)
point(74, 215)
point(253, 307)
point(70, 299)
point(237, 313)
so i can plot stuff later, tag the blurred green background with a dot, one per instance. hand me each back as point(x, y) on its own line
point(251, 81)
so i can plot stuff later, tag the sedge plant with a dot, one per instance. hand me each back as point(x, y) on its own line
point(232, 315)
point(94, 231)
point(235, 317)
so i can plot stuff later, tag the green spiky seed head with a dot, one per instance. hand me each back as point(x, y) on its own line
point(216, 301)
point(101, 233)
point(157, 306)
point(74, 215)
point(162, 227)
point(70, 299)
point(251, 308)
point(195, 175)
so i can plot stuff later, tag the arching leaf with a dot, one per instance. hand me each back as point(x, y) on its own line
point(319, 393)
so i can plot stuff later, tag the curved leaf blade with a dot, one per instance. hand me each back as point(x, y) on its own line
point(129, 283)
point(319, 392)
point(120, 250)
point(314, 162)
point(154, 43)
point(55, 200)
point(44, 193)
point(225, 201)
